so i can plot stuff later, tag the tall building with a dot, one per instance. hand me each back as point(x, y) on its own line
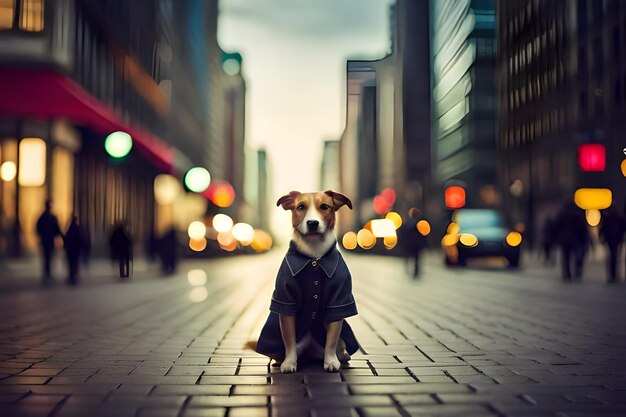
point(72, 72)
point(464, 94)
point(329, 171)
point(561, 85)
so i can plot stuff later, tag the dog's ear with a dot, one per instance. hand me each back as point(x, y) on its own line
point(288, 201)
point(339, 199)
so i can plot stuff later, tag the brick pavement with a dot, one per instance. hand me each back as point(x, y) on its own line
point(455, 342)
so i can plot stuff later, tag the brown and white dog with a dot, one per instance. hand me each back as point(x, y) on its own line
point(313, 221)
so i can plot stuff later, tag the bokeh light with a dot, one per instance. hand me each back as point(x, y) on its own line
point(196, 230)
point(197, 277)
point(198, 294)
point(592, 157)
point(118, 144)
point(449, 240)
point(454, 197)
point(243, 232)
point(390, 241)
point(197, 179)
point(222, 223)
point(395, 218)
point(8, 170)
point(32, 162)
point(166, 189)
point(623, 167)
point(226, 239)
point(383, 227)
point(389, 195)
point(349, 240)
point(197, 245)
point(423, 227)
point(468, 239)
point(593, 217)
point(365, 239)
point(593, 198)
point(514, 239)
point(262, 241)
point(517, 188)
point(453, 228)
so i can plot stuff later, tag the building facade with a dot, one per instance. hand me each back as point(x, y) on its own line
point(561, 85)
point(73, 71)
point(464, 95)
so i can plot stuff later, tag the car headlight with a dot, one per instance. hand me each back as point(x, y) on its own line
point(468, 239)
point(514, 239)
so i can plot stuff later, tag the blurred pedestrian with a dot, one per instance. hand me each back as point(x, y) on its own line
point(612, 233)
point(48, 229)
point(75, 242)
point(573, 238)
point(167, 252)
point(121, 244)
point(412, 241)
point(548, 240)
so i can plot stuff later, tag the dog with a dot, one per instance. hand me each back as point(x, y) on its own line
point(313, 292)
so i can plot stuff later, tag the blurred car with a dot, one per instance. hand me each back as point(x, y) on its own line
point(480, 233)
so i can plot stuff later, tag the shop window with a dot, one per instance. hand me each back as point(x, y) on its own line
point(31, 15)
point(7, 14)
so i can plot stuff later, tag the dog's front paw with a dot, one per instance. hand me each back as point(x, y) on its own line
point(331, 363)
point(288, 366)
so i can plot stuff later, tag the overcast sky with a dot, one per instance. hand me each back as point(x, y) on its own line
point(294, 54)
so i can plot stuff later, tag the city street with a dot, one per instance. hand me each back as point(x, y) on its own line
point(477, 342)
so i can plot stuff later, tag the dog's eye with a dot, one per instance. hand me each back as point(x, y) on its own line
point(301, 207)
point(324, 206)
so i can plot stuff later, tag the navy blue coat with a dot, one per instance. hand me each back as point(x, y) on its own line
point(316, 291)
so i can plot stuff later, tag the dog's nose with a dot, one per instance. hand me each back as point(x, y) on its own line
point(312, 224)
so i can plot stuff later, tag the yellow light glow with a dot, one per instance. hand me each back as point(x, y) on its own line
point(166, 189)
point(197, 277)
point(390, 241)
point(230, 247)
point(423, 227)
point(243, 232)
point(623, 166)
point(593, 217)
point(32, 16)
point(196, 230)
point(450, 239)
point(197, 245)
point(8, 170)
point(453, 228)
point(395, 218)
point(593, 198)
point(468, 239)
point(32, 172)
point(365, 239)
point(349, 240)
point(514, 239)
point(262, 241)
point(222, 223)
point(198, 294)
point(383, 227)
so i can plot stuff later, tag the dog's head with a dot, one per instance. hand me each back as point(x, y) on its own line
point(313, 214)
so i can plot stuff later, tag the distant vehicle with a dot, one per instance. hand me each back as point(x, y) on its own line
point(480, 233)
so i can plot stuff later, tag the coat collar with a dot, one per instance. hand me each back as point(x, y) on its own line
point(297, 261)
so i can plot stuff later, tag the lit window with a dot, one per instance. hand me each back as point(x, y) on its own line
point(7, 12)
point(32, 166)
point(31, 16)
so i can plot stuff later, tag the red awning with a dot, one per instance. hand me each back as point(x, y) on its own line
point(45, 94)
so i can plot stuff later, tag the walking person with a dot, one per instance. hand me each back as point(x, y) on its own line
point(412, 241)
point(573, 238)
point(121, 244)
point(75, 242)
point(167, 251)
point(548, 240)
point(612, 233)
point(48, 229)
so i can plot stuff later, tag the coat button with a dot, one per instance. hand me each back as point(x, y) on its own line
point(316, 283)
point(314, 263)
point(315, 297)
point(313, 315)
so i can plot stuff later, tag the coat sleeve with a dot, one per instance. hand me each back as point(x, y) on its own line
point(340, 301)
point(284, 298)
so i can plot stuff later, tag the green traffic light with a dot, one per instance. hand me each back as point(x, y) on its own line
point(118, 144)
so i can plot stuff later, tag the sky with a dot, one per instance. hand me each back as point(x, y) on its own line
point(294, 55)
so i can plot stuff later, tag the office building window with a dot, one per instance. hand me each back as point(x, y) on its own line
point(31, 15)
point(7, 13)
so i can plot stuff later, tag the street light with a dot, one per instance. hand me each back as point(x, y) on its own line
point(118, 144)
point(197, 179)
